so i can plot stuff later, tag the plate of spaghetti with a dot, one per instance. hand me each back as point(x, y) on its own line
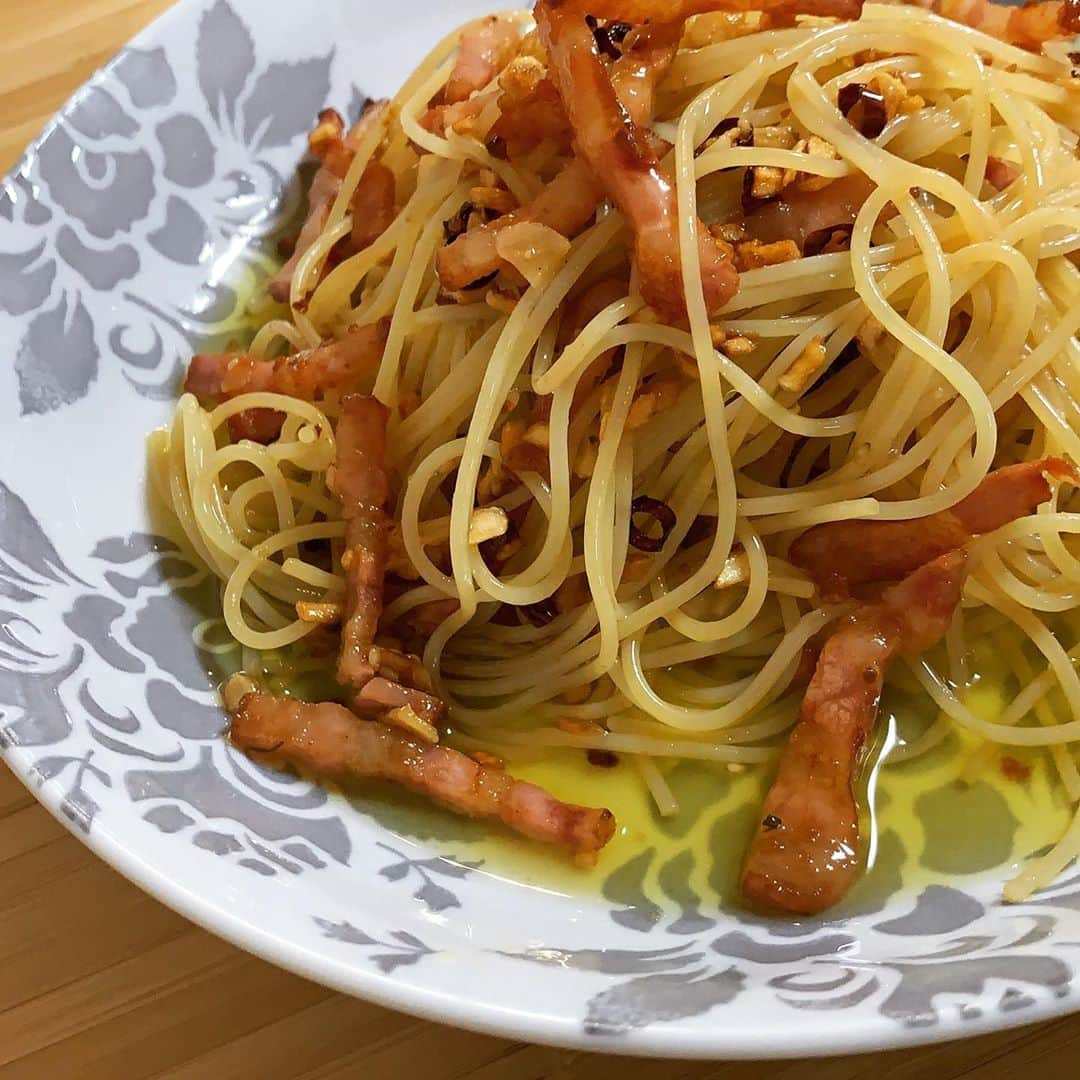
point(604, 562)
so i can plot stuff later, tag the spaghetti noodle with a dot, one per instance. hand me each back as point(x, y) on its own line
point(905, 322)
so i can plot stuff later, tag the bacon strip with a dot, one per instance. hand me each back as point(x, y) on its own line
point(335, 365)
point(1001, 173)
point(329, 741)
point(486, 47)
point(652, 11)
point(359, 479)
point(372, 205)
point(798, 215)
point(1028, 26)
point(566, 205)
point(805, 853)
point(622, 159)
point(844, 553)
point(342, 365)
point(335, 150)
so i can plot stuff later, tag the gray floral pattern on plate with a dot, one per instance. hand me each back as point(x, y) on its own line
point(135, 229)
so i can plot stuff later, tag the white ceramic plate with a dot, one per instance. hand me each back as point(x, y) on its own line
point(129, 233)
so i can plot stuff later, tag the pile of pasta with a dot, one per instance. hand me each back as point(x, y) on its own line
point(594, 501)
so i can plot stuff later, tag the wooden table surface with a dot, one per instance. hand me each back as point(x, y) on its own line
point(99, 980)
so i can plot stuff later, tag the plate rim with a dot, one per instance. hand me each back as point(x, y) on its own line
point(722, 1040)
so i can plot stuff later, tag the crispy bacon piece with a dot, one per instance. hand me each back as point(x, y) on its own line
point(379, 695)
point(345, 364)
point(372, 205)
point(1001, 173)
point(566, 205)
point(335, 150)
point(622, 160)
point(359, 479)
point(329, 741)
point(335, 365)
point(324, 189)
point(840, 554)
point(653, 11)
point(798, 215)
point(805, 853)
point(1029, 26)
point(486, 47)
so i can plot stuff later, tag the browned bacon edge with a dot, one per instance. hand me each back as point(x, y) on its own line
point(359, 479)
point(328, 741)
point(844, 553)
point(344, 364)
point(805, 856)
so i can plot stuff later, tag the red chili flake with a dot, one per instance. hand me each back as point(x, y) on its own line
point(661, 513)
point(1012, 769)
point(602, 759)
point(864, 109)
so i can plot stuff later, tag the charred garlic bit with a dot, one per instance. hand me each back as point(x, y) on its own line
point(235, 688)
point(487, 523)
point(609, 36)
point(805, 368)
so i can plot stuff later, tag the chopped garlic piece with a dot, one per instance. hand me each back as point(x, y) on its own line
point(492, 198)
point(522, 76)
point(779, 137)
point(536, 251)
point(736, 570)
point(754, 254)
point(404, 718)
point(324, 614)
point(538, 434)
point(768, 181)
point(487, 523)
point(734, 347)
point(806, 367)
point(236, 688)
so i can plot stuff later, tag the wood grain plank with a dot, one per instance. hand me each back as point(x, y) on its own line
point(300, 1044)
point(99, 980)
